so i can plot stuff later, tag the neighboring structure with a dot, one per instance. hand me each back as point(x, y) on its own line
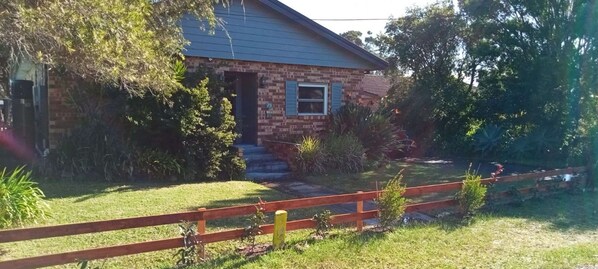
point(289, 72)
point(374, 88)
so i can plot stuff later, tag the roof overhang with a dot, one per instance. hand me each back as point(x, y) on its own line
point(376, 62)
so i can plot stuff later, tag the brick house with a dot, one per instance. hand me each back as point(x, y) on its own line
point(374, 88)
point(289, 72)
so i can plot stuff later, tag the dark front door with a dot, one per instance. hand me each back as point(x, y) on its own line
point(244, 85)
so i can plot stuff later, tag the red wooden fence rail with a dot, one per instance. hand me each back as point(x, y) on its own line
point(219, 213)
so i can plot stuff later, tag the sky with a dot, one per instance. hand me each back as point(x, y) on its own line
point(353, 9)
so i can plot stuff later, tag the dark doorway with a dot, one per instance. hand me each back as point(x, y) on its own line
point(244, 85)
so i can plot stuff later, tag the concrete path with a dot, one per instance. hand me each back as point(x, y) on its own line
point(302, 189)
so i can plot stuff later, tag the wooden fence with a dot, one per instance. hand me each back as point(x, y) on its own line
point(202, 215)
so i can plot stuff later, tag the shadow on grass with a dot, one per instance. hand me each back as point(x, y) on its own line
point(564, 212)
point(90, 189)
point(252, 198)
point(358, 240)
point(86, 190)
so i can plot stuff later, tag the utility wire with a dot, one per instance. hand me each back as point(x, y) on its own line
point(377, 19)
point(254, 15)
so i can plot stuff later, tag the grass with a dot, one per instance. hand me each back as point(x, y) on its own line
point(79, 202)
point(414, 174)
point(556, 232)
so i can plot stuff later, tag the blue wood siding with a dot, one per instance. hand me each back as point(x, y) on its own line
point(291, 98)
point(259, 33)
point(337, 96)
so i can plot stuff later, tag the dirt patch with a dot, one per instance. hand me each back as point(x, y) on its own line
point(254, 251)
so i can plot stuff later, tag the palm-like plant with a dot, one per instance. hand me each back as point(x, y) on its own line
point(20, 198)
point(488, 138)
point(375, 131)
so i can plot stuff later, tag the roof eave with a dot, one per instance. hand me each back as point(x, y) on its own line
point(376, 62)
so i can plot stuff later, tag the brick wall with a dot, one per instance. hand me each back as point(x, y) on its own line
point(63, 116)
point(285, 151)
point(278, 124)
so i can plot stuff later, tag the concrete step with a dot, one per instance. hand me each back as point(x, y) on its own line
point(259, 158)
point(257, 176)
point(250, 149)
point(275, 166)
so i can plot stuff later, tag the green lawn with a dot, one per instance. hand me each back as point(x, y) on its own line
point(556, 232)
point(78, 202)
point(414, 174)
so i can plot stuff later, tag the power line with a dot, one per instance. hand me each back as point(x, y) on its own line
point(258, 16)
point(372, 19)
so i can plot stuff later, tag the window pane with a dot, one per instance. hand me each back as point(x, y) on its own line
point(311, 107)
point(311, 92)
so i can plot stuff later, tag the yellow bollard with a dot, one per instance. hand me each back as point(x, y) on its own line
point(280, 228)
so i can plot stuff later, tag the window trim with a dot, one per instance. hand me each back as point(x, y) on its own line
point(313, 85)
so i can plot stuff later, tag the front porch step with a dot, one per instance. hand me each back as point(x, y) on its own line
point(263, 166)
point(259, 158)
point(260, 176)
point(275, 166)
point(251, 149)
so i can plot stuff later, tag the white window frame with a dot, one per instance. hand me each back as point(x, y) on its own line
point(312, 85)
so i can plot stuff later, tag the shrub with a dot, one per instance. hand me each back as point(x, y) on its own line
point(196, 124)
point(190, 133)
point(344, 152)
point(254, 228)
point(93, 149)
point(156, 164)
point(488, 139)
point(232, 166)
point(20, 198)
point(310, 156)
point(323, 223)
point(375, 131)
point(472, 195)
point(188, 254)
point(391, 202)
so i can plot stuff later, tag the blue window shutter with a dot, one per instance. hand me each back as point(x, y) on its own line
point(337, 96)
point(291, 98)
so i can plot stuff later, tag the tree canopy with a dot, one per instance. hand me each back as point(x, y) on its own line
point(525, 72)
point(128, 43)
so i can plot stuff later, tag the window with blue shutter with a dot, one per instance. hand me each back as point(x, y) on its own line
point(291, 98)
point(337, 96)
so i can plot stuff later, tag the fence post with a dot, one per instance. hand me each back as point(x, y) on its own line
point(201, 229)
point(280, 228)
point(359, 223)
point(201, 223)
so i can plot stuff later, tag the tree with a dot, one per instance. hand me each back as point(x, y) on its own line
point(425, 44)
point(537, 63)
point(353, 36)
point(129, 43)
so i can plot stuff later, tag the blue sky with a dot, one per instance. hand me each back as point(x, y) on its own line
point(353, 9)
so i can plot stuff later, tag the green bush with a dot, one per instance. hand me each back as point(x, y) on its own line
point(21, 200)
point(391, 202)
point(310, 156)
point(93, 149)
point(190, 133)
point(232, 167)
point(488, 139)
point(195, 125)
point(472, 195)
point(156, 164)
point(344, 153)
point(375, 130)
